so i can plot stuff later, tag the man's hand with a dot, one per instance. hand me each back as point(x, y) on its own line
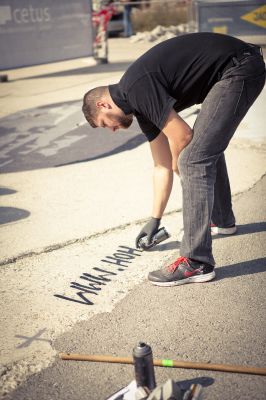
point(148, 230)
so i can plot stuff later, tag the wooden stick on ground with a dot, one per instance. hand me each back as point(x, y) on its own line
point(167, 363)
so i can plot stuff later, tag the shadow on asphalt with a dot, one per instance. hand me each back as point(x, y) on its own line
point(94, 69)
point(5, 191)
point(12, 214)
point(28, 340)
point(244, 268)
point(254, 227)
point(129, 145)
point(203, 380)
point(246, 229)
point(174, 244)
point(56, 135)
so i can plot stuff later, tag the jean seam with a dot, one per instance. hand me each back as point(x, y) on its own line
point(219, 212)
point(219, 208)
point(242, 87)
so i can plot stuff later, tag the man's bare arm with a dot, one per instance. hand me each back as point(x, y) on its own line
point(163, 174)
point(179, 135)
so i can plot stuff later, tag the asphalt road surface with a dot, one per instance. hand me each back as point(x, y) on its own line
point(52, 136)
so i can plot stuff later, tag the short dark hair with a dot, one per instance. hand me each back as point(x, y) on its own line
point(89, 108)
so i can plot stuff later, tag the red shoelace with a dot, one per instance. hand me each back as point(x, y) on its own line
point(174, 266)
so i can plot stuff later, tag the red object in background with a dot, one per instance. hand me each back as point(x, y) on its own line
point(101, 18)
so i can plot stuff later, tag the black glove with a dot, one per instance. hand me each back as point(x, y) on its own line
point(148, 230)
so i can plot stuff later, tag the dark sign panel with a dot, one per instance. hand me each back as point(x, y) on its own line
point(236, 18)
point(41, 31)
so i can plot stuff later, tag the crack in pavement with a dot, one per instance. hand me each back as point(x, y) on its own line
point(71, 242)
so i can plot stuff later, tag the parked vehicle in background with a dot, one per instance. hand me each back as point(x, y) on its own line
point(115, 26)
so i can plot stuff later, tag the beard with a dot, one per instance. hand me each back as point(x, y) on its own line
point(126, 121)
point(123, 120)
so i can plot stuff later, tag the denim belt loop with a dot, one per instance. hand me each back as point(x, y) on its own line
point(236, 62)
point(241, 55)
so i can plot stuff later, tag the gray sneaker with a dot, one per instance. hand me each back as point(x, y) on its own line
point(182, 271)
point(216, 230)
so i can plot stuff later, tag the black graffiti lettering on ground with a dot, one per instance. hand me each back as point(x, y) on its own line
point(94, 283)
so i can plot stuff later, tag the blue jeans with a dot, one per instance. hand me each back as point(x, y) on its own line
point(128, 30)
point(205, 183)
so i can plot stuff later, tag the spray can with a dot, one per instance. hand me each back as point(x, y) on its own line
point(159, 236)
point(143, 364)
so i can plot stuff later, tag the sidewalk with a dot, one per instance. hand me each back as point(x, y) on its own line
point(83, 217)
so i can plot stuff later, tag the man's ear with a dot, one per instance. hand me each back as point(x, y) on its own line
point(103, 104)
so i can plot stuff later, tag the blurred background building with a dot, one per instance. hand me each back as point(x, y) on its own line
point(41, 31)
point(242, 18)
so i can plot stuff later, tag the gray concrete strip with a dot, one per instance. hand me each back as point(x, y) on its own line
point(218, 322)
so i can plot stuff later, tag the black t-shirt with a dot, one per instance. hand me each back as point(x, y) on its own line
point(176, 73)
